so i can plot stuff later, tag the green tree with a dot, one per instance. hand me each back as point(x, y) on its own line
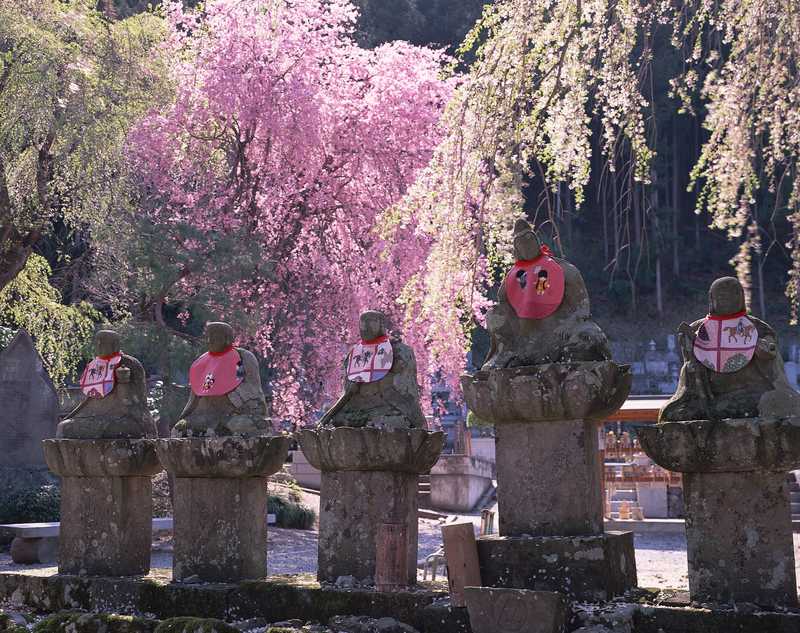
point(60, 332)
point(72, 83)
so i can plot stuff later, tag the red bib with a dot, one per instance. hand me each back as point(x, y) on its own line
point(216, 374)
point(726, 344)
point(535, 287)
point(369, 361)
point(98, 377)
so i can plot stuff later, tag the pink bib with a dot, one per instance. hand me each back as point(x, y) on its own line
point(98, 378)
point(370, 361)
point(216, 374)
point(535, 287)
point(726, 344)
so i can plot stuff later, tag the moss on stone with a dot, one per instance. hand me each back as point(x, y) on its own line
point(195, 625)
point(72, 622)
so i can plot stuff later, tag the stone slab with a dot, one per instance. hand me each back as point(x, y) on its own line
point(586, 568)
point(30, 406)
point(549, 478)
point(220, 532)
point(739, 538)
point(493, 610)
point(352, 506)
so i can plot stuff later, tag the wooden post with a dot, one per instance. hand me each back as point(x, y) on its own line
point(461, 552)
point(391, 560)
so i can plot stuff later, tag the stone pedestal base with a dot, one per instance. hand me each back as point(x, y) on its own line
point(220, 522)
point(220, 529)
point(585, 568)
point(106, 505)
point(353, 505)
point(739, 538)
point(738, 518)
point(548, 478)
point(459, 481)
point(369, 476)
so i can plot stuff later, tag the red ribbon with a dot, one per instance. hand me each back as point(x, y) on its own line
point(373, 341)
point(725, 317)
point(222, 353)
point(110, 356)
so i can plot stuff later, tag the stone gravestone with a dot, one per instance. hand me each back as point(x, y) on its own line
point(29, 414)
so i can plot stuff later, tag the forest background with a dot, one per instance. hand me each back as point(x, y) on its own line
point(646, 249)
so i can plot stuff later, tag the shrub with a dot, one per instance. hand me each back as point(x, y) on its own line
point(31, 505)
point(290, 514)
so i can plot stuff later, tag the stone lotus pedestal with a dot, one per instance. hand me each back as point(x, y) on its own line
point(106, 504)
point(549, 478)
point(738, 517)
point(220, 498)
point(369, 477)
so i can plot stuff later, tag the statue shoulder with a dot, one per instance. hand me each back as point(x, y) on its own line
point(403, 351)
point(133, 363)
point(248, 358)
point(764, 328)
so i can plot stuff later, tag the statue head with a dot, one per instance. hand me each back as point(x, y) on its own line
point(219, 336)
point(726, 296)
point(106, 343)
point(371, 325)
point(526, 242)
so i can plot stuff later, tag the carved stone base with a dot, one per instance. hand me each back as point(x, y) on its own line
point(353, 505)
point(739, 538)
point(738, 518)
point(106, 505)
point(585, 568)
point(549, 478)
point(220, 522)
point(369, 476)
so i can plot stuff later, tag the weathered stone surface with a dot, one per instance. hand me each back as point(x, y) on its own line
point(370, 449)
point(106, 504)
point(29, 412)
point(733, 445)
point(585, 568)
point(281, 598)
point(459, 481)
point(123, 413)
point(352, 506)
point(548, 476)
point(102, 458)
point(389, 403)
point(493, 610)
point(220, 504)
point(220, 528)
point(242, 412)
point(758, 389)
point(568, 391)
point(225, 457)
point(106, 525)
point(739, 538)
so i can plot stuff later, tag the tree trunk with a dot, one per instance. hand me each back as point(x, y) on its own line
point(15, 249)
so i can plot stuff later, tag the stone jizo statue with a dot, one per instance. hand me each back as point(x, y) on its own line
point(226, 398)
point(542, 313)
point(115, 405)
point(380, 384)
point(732, 365)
